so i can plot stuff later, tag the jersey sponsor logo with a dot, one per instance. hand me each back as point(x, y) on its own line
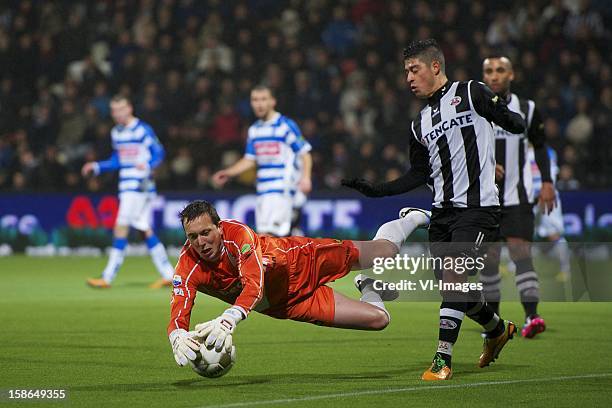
point(179, 292)
point(455, 101)
point(245, 248)
point(128, 152)
point(177, 280)
point(447, 324)
point(447, 125)
point(267, 148)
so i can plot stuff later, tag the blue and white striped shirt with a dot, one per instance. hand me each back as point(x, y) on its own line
point(133, 145)
point(276, 146)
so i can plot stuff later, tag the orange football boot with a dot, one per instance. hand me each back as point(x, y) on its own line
point(438, 370)
point(492, 347)
point(98, 283)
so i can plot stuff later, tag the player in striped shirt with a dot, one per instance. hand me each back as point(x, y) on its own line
point(514, 179)
point(276, 147)
point(451, 150)
point(284, 278)
point(136, 153)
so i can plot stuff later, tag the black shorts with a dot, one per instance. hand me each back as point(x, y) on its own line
point(517, 221)
point(463, 231)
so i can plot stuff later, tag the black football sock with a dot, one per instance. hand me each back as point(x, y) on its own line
point(528, 285)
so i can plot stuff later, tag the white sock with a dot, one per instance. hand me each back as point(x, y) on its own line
point(369, 295)
point(561, 247)
point(160, 259)
point(445, 347)
point(115, 260)
point(397, 231)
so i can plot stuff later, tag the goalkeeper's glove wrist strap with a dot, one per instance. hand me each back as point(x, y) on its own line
point(237, 313)
point(174, 334)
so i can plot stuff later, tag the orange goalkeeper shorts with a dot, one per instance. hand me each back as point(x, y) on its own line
point(318, 262)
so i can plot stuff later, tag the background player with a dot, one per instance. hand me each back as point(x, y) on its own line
point(274, 144)
point(136, 152)
point(281, 277)
point(451, 146)
point(514, 179)
point(550, 226)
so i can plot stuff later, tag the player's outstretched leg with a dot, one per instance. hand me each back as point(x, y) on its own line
point(160, 259)
point(365, 285)
point(359, 315)
point(405, 212)
point(389, 238)
point(115, 259)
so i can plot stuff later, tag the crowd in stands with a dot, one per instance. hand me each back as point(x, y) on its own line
point(336, 67)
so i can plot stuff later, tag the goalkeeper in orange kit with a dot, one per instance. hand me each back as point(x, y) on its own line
point(283, 278)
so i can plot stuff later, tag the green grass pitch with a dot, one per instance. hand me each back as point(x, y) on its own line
point(109, 348)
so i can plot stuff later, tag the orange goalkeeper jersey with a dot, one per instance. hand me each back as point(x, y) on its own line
point(259, 273)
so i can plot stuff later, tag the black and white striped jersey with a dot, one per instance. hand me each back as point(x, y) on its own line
point(511, 151)
point(454, 130)
point(452, 148)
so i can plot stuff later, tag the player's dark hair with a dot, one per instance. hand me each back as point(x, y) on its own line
point(426, 50)
point(499, 56)
point(198, 208)
point(121, 97)
point(262, 87)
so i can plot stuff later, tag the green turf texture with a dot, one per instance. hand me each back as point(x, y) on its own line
point(109, 348)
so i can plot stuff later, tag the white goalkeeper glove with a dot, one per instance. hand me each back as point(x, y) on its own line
point(217, 333)
point(184, 346)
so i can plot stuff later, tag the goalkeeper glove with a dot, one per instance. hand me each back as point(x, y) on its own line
point(363, 186)
point(184, 346)
point(217, 333)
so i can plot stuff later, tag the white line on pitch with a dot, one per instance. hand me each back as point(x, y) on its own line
point(406, 389)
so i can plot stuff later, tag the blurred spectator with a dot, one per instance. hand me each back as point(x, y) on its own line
point(215, 55)
point(336, 67)
point(225, 128)
point(182, 167)
point(584, 22)
point(72, 129)
point(50, 173)
point(340, 35)
point(580, 127)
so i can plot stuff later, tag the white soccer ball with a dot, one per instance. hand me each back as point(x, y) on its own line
point(213, 364)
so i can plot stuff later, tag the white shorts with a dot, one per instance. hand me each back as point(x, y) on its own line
point(299, 199)
point(135, 210)
point(273, 214)
point(551, 224)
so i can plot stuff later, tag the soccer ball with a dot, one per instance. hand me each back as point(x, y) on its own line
point(213, 364)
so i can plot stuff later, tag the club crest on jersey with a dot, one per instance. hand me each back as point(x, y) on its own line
point(455, 101)
point(177, 281)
